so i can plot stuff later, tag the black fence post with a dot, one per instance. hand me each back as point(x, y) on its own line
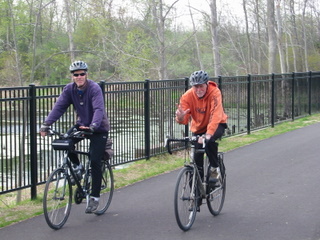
point(292, 95)
point(272, 100)
point(103, 88)
point(249, 104)
point(147, 118)
point(186, 84)
point(33, 141)
point(310, 92)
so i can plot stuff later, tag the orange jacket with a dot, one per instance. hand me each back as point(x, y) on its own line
point(205, 113)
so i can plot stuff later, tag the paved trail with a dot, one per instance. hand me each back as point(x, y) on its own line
point(272, 193)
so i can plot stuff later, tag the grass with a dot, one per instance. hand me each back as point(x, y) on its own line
point(12, 212)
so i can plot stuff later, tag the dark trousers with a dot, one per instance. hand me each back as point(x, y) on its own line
point(211, 148)
point(96, 152)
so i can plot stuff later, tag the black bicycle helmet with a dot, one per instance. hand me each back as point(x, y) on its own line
point(198, 77)
point(78, 65)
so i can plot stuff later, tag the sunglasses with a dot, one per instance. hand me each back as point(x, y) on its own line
point(77, 74)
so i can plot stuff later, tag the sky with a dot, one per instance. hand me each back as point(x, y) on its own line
point(224, 6)
point(234, 6)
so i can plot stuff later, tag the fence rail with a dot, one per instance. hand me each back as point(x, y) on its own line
point(141, 116)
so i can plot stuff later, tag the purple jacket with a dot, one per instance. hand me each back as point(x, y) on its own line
point(89, 106)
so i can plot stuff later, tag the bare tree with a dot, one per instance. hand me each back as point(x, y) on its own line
point(160, 16)
point(69, 29)
point(259, 47)
point(196, 38)
point(295, 37)
point(305, 40)
point(37, 23)
point(272, 40)
point(15, 45)
point(316, 12)
point(215, 38)
point(249, 57)
point(279, 33)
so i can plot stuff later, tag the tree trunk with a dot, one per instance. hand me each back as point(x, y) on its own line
point(196, 39)
point(305, 45)
point(34, 41)
point(249, 58)
point(259, 47)
point(279, 39)
point(271, 36)
point(295, 40)
point(215, 38)
point(159, 19)
point(69, 30)
point(15, 45)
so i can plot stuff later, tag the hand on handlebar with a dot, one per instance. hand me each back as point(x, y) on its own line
point(87, 129)
point(204, 138)
point(44, 130)
point(84, 128)
point(201, 139)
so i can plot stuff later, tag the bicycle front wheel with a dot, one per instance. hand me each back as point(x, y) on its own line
point(185, 207)
point(107, 188)
point(57, 198)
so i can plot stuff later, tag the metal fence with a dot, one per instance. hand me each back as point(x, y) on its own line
point(141, 116)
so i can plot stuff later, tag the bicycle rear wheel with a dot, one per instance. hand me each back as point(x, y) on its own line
point(216, 196)
point(107, 188)
point(185, 207)
point(57, 198)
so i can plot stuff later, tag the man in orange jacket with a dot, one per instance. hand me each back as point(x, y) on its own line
point(203, 105)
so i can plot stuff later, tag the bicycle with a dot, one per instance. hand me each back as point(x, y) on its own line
point(57, 198)
point(193, 186)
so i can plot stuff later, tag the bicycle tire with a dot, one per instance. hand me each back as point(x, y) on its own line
point(57, 199)
point(216, 196)
point(107, 188)
point(185, 203)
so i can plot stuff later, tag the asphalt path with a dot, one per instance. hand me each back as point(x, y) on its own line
point(273, 192)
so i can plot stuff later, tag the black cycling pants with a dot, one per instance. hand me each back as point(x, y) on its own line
point(96, 152)
point(211, 148)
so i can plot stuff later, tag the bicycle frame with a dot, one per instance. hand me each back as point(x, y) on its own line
point(201, 184)
point(66, 164)
point(86, 175)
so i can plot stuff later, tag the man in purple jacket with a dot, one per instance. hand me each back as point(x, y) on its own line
point(87, 98)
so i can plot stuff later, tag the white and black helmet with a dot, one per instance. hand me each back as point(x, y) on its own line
point(78, 65)
point(198, 77)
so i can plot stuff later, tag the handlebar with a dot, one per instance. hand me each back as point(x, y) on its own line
point(192, 140)
point(74, 134)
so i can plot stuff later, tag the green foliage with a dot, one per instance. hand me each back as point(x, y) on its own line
point(135, 56)
point(313, 62)
point(88, 30)
point(7, 72)
point(34, 42)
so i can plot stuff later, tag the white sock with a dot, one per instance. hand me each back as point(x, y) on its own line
point(95, 198)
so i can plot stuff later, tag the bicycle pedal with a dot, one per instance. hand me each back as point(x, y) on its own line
point(191, 209)
point(213, 180)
